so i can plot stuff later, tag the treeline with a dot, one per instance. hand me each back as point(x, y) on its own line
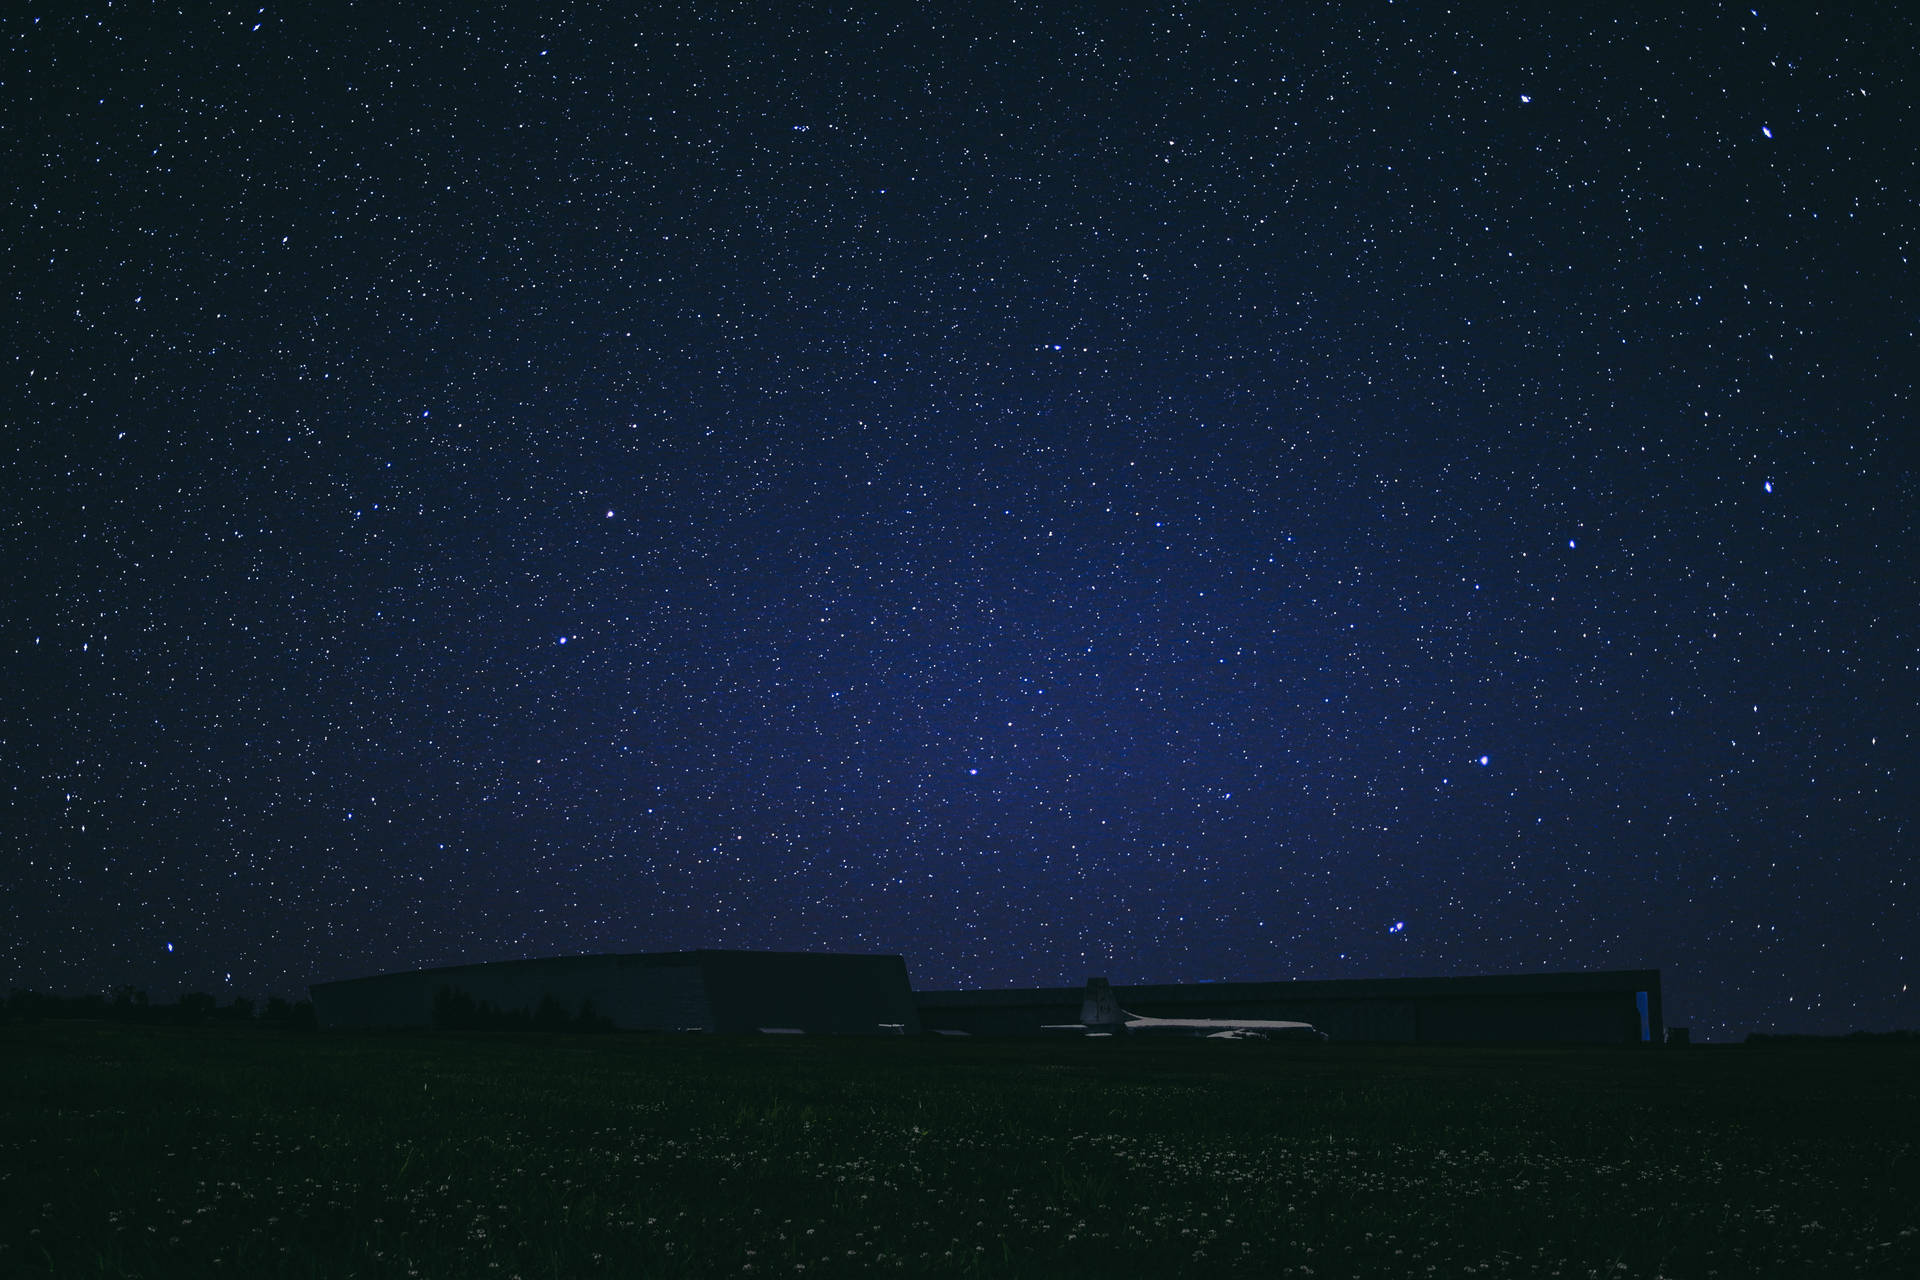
point(455, 1010)
point(127, 1004)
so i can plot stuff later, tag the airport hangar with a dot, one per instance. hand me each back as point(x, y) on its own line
point(1618, 1007)
point(741, 992)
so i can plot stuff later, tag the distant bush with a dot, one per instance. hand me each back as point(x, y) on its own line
point(454, 1010)
point(551, 1015)
point(194, 1008)
point(589, 1019)
point(297, 1016)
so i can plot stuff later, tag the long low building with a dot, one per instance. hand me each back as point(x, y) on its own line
point(730, 992)
point(1615, 1007)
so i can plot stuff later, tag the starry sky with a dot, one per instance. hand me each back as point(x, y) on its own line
point(1191, 493)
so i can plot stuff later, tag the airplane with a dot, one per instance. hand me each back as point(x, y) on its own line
point(1101, 1015)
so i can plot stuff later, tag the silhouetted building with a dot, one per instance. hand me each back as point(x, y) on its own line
point(1618, 1007)
point(723, 991)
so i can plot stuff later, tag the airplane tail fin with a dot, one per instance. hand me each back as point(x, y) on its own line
point(1098, 1007)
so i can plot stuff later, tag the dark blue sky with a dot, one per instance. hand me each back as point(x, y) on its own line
point(1374, 490)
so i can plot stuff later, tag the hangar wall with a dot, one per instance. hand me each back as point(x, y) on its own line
point(1555, 1008)
point(724, 991)
point(740, 992)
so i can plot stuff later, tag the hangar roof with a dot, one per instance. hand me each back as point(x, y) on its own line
point(645, 959)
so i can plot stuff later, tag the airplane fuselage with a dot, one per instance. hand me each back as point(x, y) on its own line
point(1222, 1028)
point(1101, 1015)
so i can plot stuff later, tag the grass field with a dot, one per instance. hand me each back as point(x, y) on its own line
point(130, 1150)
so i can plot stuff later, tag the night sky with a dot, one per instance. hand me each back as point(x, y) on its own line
point(1294, 491)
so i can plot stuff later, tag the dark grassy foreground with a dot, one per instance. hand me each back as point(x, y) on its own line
point(150, 1151)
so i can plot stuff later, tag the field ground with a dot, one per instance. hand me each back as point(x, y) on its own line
point(138, 1150)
